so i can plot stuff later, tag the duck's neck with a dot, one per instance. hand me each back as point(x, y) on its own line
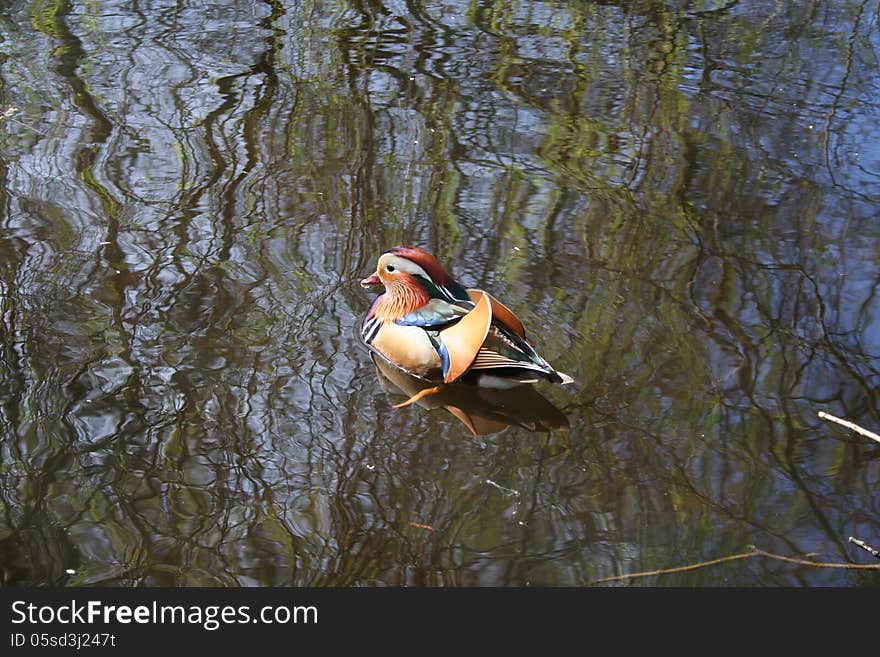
point(398, 300)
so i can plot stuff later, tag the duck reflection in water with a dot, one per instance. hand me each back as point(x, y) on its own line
point(444, 345)
point(482, 410)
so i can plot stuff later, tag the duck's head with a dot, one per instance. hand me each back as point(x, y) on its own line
point(404, 267)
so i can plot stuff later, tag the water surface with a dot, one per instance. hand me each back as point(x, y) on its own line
point(680, 200)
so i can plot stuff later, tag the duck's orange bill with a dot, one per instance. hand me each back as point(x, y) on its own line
point(464, 338)
point(371, 280)
point(500, 312)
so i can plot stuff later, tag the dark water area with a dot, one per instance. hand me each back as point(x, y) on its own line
point(681, 200)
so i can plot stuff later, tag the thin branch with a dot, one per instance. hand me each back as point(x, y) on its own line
point(679, 569)
point(8, 112)
point(865, 546)
point(816, 564)
point(753, 552)
point(847, 69)
point(850, 425)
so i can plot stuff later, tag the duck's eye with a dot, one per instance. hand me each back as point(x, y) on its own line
point(389, 267)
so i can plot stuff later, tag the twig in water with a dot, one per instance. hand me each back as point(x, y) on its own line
point(8, 112)
point(865, 546)
point(753, 552)
point(850, 425)
point(678, 569)
point(421, 526)
point(816, 564)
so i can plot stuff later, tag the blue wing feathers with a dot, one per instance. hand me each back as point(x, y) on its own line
point(444, 357)
point(433, 314)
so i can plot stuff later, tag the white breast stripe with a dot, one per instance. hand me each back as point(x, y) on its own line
point(370, 329)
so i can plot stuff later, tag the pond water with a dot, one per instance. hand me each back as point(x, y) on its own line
point(680, 199)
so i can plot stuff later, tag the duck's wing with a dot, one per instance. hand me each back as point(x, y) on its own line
point(459, 343)
point(506, 354)
point(500, 313)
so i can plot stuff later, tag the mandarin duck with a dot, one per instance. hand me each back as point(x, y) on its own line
point(431, 327)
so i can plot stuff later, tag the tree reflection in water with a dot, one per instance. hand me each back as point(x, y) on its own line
point(681, 200)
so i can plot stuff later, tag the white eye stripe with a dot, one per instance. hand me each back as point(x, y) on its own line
point(404, 265)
